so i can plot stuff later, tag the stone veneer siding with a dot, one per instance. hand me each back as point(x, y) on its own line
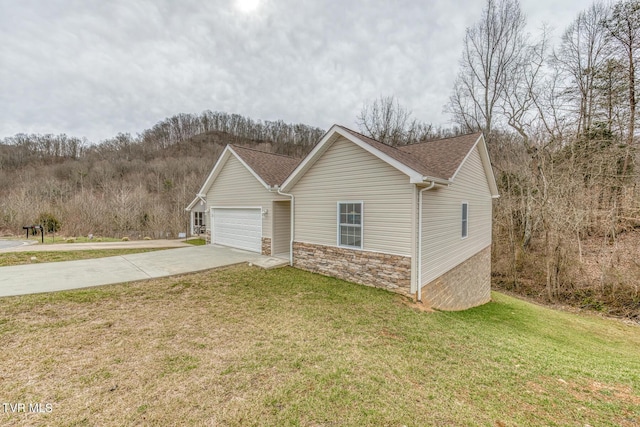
point(266, 246)
point(466, 285)
point(391, 272)
point(207, 236)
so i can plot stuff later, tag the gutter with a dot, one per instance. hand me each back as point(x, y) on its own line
point(419, 290)
point(292, 220)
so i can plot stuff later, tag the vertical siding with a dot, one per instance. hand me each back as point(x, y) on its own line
point(236, 186)
point(442, 245)
point(346, 172)
point(281, 227)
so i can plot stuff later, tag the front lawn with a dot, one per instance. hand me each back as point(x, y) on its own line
point(18, 258)
point(244, 346)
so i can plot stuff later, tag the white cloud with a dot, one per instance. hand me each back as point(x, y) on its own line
point(97, 68)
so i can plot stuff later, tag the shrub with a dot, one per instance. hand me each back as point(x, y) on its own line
point(50, 223)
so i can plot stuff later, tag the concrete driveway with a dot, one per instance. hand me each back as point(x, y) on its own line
point(58, 276)
point(6, 244)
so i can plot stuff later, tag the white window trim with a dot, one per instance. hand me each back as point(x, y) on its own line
point(195, 218)
point(342, 202)
point(462, 221)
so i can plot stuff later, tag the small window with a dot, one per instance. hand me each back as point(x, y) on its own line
point(198, 219)
point(350, 224)
point(465, 219)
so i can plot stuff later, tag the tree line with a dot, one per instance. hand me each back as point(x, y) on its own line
point(560, 122)
point(135, 186)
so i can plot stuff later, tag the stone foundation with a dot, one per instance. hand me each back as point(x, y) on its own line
point(391, 272)
point(266, 246)
point(207, 236)
point(464, 286)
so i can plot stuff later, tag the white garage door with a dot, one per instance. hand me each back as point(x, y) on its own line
point(239, 228)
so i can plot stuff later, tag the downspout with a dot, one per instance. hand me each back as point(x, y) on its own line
point(419, 291)
point(293, 220)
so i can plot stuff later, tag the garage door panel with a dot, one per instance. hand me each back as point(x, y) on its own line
point(238, 227)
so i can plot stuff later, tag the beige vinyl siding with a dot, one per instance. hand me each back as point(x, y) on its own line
point(235, 186)
point(442, 244)
point(281, 227)
point(346, 172)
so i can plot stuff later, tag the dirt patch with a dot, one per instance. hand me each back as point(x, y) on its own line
point(420, 306)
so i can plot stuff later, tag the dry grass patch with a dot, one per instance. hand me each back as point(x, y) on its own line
point(20, 258)
point(243, 346)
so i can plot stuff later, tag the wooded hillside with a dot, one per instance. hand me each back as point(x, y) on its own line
point(128, 186)
point(560, 122)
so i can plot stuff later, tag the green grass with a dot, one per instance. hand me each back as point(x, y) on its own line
point(243, 346)
point(19, 258)
point(51, 239)
point(197, 242)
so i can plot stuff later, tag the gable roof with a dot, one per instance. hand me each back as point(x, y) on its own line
point(435, 161)
point(268, 168)
point(442, 157)
point(272, 168)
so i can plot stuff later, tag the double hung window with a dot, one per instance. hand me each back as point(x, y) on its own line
point(350, 224)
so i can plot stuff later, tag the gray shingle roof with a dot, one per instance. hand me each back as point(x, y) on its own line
point(438, 159)
point(272, 168)
point(442, 158)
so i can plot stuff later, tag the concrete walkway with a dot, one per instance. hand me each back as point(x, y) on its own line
point(57, 276)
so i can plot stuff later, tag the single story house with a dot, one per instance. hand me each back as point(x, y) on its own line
point(412, 219)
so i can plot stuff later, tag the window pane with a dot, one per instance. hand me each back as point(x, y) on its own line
point(350, 236)
point(465, 219)
point(350, 221)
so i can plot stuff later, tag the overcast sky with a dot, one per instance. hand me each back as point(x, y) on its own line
point(94, 68)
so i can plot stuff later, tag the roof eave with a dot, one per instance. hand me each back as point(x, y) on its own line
point(422, 179)
point(486, 164)
point(304, 164)
point(249, 168)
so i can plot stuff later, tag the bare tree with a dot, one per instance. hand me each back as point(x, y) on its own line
point(385, 120)
point(623, 26)
point(492, 49)
point(581, 54)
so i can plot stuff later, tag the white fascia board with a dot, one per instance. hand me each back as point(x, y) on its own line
point(412, 174)
point(215, 171)
point(424, 179)
point(256, 176)
point(488, 170)
point(228, 151)
point(486, 161)
point(486, 165)
point(309, 160)
point(192, 204)
point(414, 177)
point(475, 144)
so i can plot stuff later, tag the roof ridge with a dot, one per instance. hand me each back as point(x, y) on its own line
point(365, 136)
point(264, 152)
point(440, 139)
point(399, 147)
